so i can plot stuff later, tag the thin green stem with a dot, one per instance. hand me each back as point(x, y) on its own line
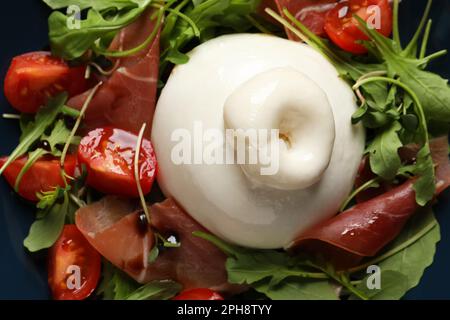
point(306, 36)
point(435, 55)
point(178, 13)
point(143, 45)
point(311, 275)
point(342, 279)
point(77, 125)
point(426, 35)
point(34, 156)
point(87, 73)
point(413, 43)
point(257, 24)
point(103, 71)
point(287, 25)
point(411, 93)
point(11, 116)
point(71, 112)
point(395, 28)
point(371, 183)
point(76, 200)
point(136, 172)
point(395, 250)
point(169, 23)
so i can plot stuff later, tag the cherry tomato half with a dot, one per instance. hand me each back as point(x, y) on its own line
point(108, 154)
point(342, 28)
point(43, 175)
point(73, 267)
point(34, 77)
point(198, 294)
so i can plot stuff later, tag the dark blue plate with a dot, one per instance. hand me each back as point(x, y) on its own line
point(23, 28)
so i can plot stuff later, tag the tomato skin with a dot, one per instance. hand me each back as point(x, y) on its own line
point(198, 294)
point(43, 175)
point(343, 29)
point(72, 249)
point(34, 77)
point(108, 154)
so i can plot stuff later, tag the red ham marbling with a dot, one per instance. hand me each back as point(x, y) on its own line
point(310, 12)
point(128, 96)
point(367, 227)
point(112, 227)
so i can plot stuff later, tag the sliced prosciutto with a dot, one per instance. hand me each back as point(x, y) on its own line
point(128, 96)
point(113, 227)
point(309, 12)
point(364, 229)
point(407, 153)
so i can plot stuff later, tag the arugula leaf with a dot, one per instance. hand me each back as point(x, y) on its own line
point(276, 273)
point(256, 265)
point(34, 130)
point(384, 158)
point(393, 286)
point(408, 256)
point(424, 169)
point(432, 91)
point(211, 17)
point(298, 289)
point(106, 287)
point(280, 276)
point(156, 290)
point(116, 285)
point(71, 43)
point(422, 233)
point(58, 136)
point(48, 199)
point(46, 230)
point(95, 4)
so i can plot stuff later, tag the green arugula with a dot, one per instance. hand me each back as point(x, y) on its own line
point(104, 18)
point(116, 285)
point(48, 131)
point(393, 285)
point(422, 233)
point(404, 261)
point(271, 272)
point(95, 4)
point(398, 98)
point(160, 243)
point(279, 275)
point(211, 18)
point(58, 137)
point(384, 158)
point(298, 289)
point(46, 229)
point(33, 131)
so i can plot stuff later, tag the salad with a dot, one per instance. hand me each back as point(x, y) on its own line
point(230, 149)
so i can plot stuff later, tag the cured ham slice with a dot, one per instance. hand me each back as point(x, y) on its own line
point(116, 234)
point(310, 12)
point(112, 227)
point(128, 96)
point(367, 227)
point(197, 263)
point(408, 153)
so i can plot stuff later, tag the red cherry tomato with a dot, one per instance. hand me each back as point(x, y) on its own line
point(342, 28)
point(74, 266)
point(198, 294)
point(43, 175)
point(34, 77)
point(108, 154)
